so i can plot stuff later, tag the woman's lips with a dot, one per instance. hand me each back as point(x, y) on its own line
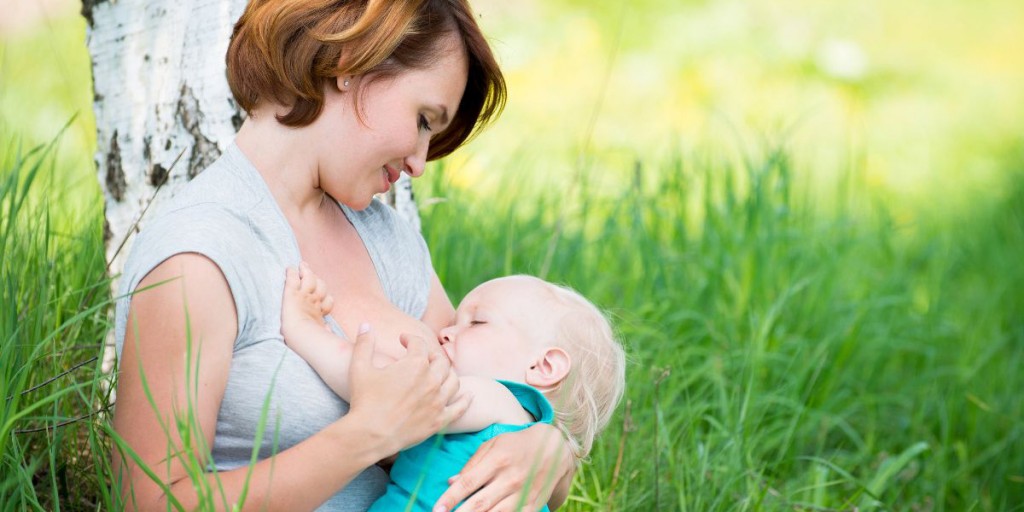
point(392, 173)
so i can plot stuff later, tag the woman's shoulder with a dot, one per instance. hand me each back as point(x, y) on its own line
point(224, 216)
point(209, 230)
point(229, 184)
point(226, 207)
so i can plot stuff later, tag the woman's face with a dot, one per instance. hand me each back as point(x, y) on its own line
point(358, 158)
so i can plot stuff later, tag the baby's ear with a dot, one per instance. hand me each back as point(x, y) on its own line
point(549, 369)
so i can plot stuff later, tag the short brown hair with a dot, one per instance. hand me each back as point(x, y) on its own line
point(284, 51)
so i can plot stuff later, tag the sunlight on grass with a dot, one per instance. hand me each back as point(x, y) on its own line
point(937, 96)
point(45, 82)
point(806, 219)
point(802, 358)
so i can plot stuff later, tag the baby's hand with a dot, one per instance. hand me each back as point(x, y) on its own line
point(305, 303)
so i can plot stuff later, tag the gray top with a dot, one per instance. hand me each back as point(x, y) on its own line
point(228, 215)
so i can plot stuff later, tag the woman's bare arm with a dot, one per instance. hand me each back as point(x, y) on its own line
point(180, 337)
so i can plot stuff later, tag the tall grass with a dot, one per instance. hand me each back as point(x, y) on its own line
point(53, 294)
point(56, 441)
point(783, 358)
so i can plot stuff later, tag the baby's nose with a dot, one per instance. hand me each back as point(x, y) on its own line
point(445, 336)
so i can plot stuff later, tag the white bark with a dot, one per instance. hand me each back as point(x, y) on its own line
point(161, 93)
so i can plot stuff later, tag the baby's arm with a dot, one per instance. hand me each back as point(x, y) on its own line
point(302, 323)
point(306, 302)
point(491, 403)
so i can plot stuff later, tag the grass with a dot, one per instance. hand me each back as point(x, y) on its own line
point(56, 439)
point(52, 323)
point(782, 358)
point(792, 347)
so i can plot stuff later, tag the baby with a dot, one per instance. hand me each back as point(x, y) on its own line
point(519, 344)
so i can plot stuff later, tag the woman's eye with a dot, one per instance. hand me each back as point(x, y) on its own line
point(477, 322)
point(424, 125)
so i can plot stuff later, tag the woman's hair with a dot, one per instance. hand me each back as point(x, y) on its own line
point(587, 398)
point(285, 50)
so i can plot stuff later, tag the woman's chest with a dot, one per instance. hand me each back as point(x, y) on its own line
point(352, 278)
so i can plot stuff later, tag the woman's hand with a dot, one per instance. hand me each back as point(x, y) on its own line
point(502, 475)
point(407, 400)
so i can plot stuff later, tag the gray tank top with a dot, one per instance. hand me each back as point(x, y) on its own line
point(228, 215)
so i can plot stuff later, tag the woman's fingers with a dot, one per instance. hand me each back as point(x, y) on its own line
point(474, 475)
point(407, 400)
point(456, 408)
point(413, 344)
point(492, 488)
point(509, 472)
point(430, 347)
point(440, 366)
point(363, 348)
point(450, 387)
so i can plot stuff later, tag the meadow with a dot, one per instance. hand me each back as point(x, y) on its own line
point(811, 253)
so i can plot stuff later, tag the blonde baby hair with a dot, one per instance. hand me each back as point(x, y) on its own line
point(585, 401)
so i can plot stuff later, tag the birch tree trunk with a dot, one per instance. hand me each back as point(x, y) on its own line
point(163, 108)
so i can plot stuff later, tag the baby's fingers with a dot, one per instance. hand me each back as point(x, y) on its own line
point(307, 281)
point(327, 305)
point(291, 278)
point(319, 288)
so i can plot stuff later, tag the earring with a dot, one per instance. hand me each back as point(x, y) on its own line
point(345, 83)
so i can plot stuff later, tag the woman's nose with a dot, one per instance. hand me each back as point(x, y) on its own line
point(417, 162)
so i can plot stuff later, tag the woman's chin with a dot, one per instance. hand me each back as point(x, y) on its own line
point(358, 205)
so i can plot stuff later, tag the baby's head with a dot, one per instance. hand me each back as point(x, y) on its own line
point(524, 329)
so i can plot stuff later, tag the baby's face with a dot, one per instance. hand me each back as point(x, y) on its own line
point(501, 329)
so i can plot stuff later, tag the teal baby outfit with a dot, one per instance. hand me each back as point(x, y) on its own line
point(420, 474)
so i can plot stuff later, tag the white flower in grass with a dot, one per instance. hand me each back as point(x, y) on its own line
point(843, 60)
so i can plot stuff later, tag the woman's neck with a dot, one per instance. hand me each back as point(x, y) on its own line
point(280, 154)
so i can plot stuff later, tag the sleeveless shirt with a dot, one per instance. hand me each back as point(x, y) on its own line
point(228, 215)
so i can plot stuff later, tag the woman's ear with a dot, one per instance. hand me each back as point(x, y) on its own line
point(550, 369)
point(344, 82)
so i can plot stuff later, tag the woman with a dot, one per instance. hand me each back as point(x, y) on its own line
point(342, 97)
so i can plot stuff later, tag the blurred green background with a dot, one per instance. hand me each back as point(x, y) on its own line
point(924, 98)
point(805, 218)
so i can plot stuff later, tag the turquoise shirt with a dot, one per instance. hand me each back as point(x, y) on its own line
point(420, 474)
